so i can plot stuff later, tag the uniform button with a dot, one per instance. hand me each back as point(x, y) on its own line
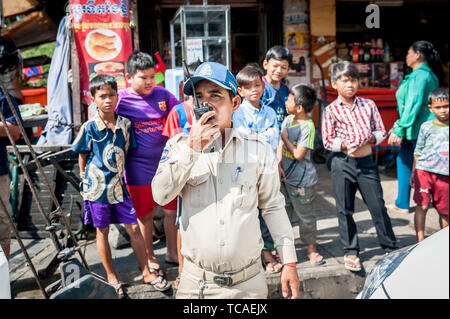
point(222, 243)
point(222, 222)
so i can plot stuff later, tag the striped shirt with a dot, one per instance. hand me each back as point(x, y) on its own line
point(353, 125)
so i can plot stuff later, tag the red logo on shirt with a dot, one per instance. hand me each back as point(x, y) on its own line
point(162, 106)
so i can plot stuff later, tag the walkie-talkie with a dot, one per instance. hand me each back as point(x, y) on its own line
point(199, 108)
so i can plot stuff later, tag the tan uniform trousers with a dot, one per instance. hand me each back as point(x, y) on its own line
point(5, 227)
point(304, 208)
point(253, 288)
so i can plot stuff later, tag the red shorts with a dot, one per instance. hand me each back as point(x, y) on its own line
point(143, 201)
point(429, 186)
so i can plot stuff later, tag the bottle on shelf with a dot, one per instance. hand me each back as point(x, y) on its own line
point(367, 52)
point(361, 53)
point(355, 52)
point(386, 58)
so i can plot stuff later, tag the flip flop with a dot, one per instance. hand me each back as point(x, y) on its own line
point(116, 288)
point(274, 271)
point(156, 271)
point(354, 262)
point(320, 262)
point(160, 280)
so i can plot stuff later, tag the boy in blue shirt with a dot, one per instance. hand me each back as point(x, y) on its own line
point(102, 144)
point(253, 117)
point(277, 62)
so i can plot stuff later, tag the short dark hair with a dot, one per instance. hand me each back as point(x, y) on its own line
point(100, 80)
point(248, 74)
point(191, 68)
point(139, 61)
point(279, 53)
point(304, 96)
point(440, 94)
point(344, 68)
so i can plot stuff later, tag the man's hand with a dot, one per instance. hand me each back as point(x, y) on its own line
point(394, 140)
point(281, 172)
point(411, 180)
point(343, 148)
point(290, 284)
point(202, 134)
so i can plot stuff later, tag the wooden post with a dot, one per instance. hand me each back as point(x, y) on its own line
point(76, 94)
point(134, 8)
point(159, 27)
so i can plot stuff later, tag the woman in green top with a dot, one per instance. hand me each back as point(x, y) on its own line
point(412, 104)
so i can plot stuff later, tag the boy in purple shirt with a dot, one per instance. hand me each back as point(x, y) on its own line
point(147, 107)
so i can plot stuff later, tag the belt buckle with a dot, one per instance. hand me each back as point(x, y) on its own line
point(223, 280)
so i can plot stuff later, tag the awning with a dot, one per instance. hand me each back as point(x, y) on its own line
point(34, 29)
point(13, 8)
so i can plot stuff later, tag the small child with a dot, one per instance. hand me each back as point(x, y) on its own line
point(147, 107)
point(277, 62)
point(351, 125)
point(253, 117)
point(296, 169)
point(430, 172)
point(102, 144)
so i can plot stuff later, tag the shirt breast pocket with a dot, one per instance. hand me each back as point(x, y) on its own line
point(245, 189)
point(196, 192)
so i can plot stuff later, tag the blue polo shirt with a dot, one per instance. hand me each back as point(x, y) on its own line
point(276, 99)
point(4, 139)
point(249, 119)
point(103, 177)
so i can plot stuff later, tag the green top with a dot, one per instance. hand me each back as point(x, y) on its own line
point(412, 101)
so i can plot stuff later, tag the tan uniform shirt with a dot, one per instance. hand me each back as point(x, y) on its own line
point(222, 190)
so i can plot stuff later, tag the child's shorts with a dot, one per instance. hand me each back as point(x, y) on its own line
point(143, 200)
point(429, 186)
point(102, 215)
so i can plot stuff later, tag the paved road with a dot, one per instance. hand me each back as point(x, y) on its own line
point(327, 281)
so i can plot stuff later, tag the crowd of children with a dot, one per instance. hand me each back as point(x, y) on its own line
point(120, 148)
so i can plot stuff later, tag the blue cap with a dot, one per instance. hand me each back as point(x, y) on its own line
point(214, 72)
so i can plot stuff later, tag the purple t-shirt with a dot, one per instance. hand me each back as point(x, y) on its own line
point(148, 115)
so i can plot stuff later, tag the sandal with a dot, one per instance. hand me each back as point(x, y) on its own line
point(117, 287)
point(355, 262)
point(158, 280)
point(157, 271)
point(314, 256)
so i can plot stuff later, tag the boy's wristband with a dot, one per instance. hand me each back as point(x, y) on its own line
point(291, 265)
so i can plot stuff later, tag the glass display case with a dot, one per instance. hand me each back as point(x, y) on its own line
point(201, 32)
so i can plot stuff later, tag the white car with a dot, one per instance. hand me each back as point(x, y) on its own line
point(5, 288)
point(419, 271)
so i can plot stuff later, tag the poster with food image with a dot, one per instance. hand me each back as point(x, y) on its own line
point(102, 36)
point(113, 68)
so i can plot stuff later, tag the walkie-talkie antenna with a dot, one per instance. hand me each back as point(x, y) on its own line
point(186, 70)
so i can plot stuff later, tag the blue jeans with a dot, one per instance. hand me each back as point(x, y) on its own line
point(405, 160)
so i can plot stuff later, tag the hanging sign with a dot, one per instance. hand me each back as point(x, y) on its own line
point(103, 40)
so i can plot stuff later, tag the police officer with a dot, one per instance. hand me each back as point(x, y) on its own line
point(223, 177)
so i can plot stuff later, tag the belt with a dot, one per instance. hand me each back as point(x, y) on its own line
point(227, 278)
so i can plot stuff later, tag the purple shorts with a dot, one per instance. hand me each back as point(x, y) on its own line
point(102, 215)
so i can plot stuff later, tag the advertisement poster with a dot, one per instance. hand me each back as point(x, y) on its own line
point(194, 50)
point(300, 62)
point(103, 40)
point(297, 40)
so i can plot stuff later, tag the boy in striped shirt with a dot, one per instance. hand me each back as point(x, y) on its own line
point(351, 125)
